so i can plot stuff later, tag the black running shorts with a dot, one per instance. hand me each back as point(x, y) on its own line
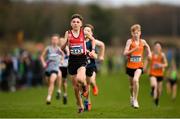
point(48, 73)
point(64, 72)
point(75, 62)
point(90, 70)
point(131, 72)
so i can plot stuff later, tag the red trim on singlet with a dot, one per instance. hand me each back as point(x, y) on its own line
point(73, 34)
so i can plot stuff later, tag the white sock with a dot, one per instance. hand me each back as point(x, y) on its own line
point(48, 98)
point(65, 94)
point(59, 91)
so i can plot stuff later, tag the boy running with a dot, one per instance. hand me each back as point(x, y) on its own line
point(75, 39)
point(158, 63)
point(134, 51)
point(91, 67)
point(64, 71)
point(172, 80)
point(51, 57)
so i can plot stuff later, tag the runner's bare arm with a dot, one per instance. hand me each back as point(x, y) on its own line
point(165, 62)
point(91, 54)
point(42, 57)
point(101, 46)
point(62, 53)
point(148, 49)
point(67, 50)
point(66, 40)
point(126, 49)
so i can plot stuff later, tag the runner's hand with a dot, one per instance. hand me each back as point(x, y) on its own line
point(92, 54)
point(44, 65)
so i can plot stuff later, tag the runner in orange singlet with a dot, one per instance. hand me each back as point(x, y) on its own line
point(158, 63)
point(134, 51)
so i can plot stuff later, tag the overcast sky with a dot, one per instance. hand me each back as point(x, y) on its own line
point(116, 2)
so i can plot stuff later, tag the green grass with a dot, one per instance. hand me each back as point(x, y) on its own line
point(112, 101)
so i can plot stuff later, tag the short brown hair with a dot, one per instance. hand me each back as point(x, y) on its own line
point(90, 26)
point(55, 35)
point(135, 27)
point(77, 16)
point(157, 42)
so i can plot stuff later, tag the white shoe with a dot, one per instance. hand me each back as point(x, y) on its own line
point(135, 104)
point(132, 101)
point(48, 100)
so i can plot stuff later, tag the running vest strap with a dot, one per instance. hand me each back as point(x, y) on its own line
point(77, 45)
point(135, 59)
point(155, 69)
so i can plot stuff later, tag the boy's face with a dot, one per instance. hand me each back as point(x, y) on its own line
point(136, 34)
point(157, 48)
point(55, 40)
point(88, 30)
point(76, 23)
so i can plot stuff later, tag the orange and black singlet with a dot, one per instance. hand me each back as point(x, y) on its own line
point(135, 59)
point(155, 70)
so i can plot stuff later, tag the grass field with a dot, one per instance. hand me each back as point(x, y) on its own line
point(112, 101)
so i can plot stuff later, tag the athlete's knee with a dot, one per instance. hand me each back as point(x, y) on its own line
point(135, 80)
point(75, 86)
point(52, 80)
point(81, 78)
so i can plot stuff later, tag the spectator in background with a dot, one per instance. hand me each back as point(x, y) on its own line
point(110, 64)
point(1, 67)
point(8, 79)
point(171, 84)
point(177, 57)
point(169, 55)
point(158, 63)
point(37, 70)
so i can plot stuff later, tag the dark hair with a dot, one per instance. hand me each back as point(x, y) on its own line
point(77, 16)
point(90, 26)
point(157, 42)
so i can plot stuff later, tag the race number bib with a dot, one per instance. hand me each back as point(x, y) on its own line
point(54, 57)
point(156, 66)
point(135, 59)
point(76, 50)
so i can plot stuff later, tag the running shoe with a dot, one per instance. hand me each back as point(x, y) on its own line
point(156, 101)
point(86, 105)
point(80, 110)
point(64, 100)
point(89, 107)
point(135, 104)
point(132, 101)
point(95, 90)
point(48, 100)
point(85, 91)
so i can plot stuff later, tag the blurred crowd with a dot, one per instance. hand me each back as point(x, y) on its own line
point(20, 69)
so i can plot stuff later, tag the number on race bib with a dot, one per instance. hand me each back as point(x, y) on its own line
point(135, 59)
point(76, 50)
